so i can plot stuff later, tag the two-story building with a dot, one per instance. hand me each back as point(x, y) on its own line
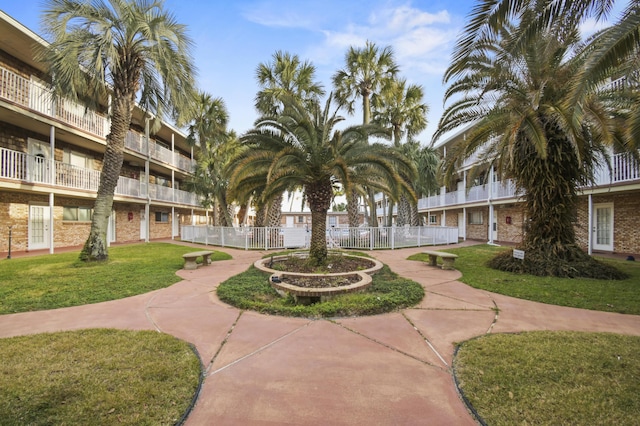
point(51, 155)
point(488, 209)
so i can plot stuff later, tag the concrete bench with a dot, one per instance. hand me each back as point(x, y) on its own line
point(447, 259)
point(190, 259)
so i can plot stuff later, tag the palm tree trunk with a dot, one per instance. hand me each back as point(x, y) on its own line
point(274, 214)
point(95, 248)
point(319, 197)
point(372, 205)
point(261, 215)
point(415, 216)
point(404, 212)
point(390, 205)
point(353, 209)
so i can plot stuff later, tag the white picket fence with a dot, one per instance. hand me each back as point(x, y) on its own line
point(362, 238)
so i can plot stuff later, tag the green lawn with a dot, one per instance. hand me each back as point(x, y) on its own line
point(61, 280)
point(552, 378)
point(622, 296)
point(96, 377)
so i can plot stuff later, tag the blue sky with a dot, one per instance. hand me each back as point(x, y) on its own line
point(233, 37)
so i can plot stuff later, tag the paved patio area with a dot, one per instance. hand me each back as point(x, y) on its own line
point(390, 369)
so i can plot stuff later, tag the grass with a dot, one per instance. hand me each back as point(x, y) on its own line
point(61, 280)
point(621, 296)
point(388, 292)
point(552, 378)
point(96, 377)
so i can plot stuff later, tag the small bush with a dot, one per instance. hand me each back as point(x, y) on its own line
point(574, 264)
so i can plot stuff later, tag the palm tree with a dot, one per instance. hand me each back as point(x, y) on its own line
point(613, 52)
point(128, 51)
point(400, 108)
point(301, 148)
point(367, 71)
point(286, 75)
point(527, 130)
point(208, 132)
point(427, 162)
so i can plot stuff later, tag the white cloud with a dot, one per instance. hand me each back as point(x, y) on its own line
point(405, 18)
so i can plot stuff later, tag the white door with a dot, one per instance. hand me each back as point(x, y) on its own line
point(461, 226)
point(603, 227)
point(111, 228)
point(38, 163)
point(143, 225)
point(39, 232)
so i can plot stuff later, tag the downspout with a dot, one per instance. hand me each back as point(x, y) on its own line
point(590, 226)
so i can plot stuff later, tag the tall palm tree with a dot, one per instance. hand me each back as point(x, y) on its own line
point(400, 107)
point(128, 50)
point(285, 75)
point(517, 100)
point(301, 148)
point(367, 70)
point(216, 147)
point(427, 162)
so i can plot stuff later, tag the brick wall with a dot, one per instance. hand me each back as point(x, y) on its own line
point(509, 232)
point(15, 138)
point(479, 231)
point(11, 63)
point(626, 232)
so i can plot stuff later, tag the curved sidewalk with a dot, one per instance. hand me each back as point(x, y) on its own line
point(383, 370)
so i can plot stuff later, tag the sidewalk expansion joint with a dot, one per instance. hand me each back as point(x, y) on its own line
point(249, 355)
point(422, 361)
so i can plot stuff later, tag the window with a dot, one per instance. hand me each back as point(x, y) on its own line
point(162, 217)
point(333, 221)
point(77, 159)
point(475, 218)
point(77, 214)
point(300, 219)
point(433, 219)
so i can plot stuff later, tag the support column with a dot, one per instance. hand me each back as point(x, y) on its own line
point(590, 226)
point(146, 173)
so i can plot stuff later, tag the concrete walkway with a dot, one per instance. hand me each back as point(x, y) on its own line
point(391, 369)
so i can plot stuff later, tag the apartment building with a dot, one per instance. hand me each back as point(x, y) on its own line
point(488, 209)
point(50, 160)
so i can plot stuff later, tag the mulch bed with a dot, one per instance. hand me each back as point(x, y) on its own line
point(335, 264)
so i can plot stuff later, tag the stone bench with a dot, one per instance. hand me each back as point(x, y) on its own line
point(447, 258)
point(190, 259)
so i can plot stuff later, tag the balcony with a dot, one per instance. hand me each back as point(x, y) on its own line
point(138, 143)
point(37, 97)
point(624, 169)
point(20, 167)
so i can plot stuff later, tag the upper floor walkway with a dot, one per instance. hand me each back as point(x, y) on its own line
point(36, 97)
point(24, 168)
point(625, 169)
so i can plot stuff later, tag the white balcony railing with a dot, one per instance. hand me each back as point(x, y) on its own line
point(22, 167)
point(38, 97)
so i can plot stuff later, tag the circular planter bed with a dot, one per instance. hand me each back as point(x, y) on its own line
point(309, 287)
